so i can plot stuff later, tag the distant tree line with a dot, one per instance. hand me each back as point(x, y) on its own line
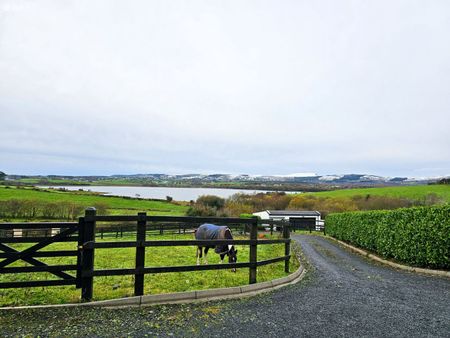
point(30, 209)
point(239, 204)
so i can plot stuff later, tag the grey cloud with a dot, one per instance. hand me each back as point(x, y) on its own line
point(237, 86)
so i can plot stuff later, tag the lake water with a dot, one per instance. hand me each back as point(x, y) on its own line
point(178, 194)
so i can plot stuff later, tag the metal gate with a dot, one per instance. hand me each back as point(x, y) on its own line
point(303, 223)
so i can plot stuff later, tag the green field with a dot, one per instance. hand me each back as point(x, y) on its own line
point(109, 182)
point(116, 205)
point(123, 286)
point(33, 181)
point(417, 192)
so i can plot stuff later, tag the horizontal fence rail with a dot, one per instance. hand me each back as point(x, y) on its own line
point(60, 253)
point(36, 239)
point(186, 219)
point(136, 244)
point(45, 268)
point(40, 225)
point(159, 227)
point(29, 284)
point(85, 231)
point(182, 268)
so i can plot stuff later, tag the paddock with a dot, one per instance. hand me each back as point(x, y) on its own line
point(55, 269)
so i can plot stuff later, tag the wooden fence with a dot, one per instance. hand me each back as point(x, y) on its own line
point(156, 229)
point(84, 233)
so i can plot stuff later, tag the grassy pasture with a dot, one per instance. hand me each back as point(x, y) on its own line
point(123, 286)
point(116, 205)
point(112, 181)
point(416, 192)
point(33, 181)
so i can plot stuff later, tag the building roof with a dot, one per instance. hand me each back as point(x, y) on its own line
point(292, 213)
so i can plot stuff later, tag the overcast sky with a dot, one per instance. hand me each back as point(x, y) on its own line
point(257, 87)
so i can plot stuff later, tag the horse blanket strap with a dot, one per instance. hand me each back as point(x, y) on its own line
point(212, 231)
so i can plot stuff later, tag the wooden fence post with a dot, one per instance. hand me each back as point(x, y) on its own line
point(87, 283)
point(80, 251)
point(140, 254)
point(253, 251)
point(287, 246)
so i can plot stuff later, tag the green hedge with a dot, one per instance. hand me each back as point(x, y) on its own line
point(416, 236)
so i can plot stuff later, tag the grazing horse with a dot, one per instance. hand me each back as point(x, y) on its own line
point(211, 231)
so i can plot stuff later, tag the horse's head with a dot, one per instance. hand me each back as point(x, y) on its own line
point(232, 256)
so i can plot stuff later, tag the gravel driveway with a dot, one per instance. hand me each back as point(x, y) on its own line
point(342, 295)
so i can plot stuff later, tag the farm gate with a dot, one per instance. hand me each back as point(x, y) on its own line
point(303, 223)
point(66, 232)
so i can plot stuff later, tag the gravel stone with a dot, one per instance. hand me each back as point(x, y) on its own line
point(342, 295)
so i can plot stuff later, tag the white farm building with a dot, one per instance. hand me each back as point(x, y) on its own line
point(295, 217)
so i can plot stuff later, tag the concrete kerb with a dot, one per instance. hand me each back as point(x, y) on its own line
point(439, 273)
point(185, 297)
point(167, 297)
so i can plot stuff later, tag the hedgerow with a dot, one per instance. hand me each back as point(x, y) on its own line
point(31, 209)
point(416, 236)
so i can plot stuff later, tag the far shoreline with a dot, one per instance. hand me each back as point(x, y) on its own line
point(200, 186)
point(158, 193)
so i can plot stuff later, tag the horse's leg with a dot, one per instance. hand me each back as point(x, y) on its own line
point(206, 258)
point(199, 254)
point(222, 256)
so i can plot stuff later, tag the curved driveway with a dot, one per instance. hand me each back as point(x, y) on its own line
point(342, 295)
point(346, 295)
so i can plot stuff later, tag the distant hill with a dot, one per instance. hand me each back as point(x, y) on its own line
point(331, 181)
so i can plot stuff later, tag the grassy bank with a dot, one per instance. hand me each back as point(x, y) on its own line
point(115, 205)
point(416, 192)
point(123, 286)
